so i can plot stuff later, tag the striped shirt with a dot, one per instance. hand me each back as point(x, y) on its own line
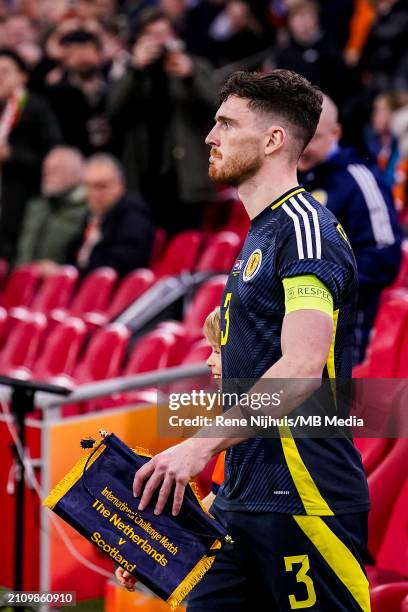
point(294, 236)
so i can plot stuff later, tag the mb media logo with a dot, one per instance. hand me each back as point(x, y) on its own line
point(253, 265)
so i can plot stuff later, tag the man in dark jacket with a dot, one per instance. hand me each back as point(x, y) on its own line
point(118, 231)
point(28, 130)
point(163, 108)
point(78, 97)
point(312, 52)
point(361, 201)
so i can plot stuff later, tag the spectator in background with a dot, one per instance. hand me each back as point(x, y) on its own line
point(163, 108)
point(383, 145)
point(236, 33)
point(118, 231)
point(385, 46)
point(28, 130)
point(78, 92)
point(55, 218)
point(310, 52)
point(355, 193)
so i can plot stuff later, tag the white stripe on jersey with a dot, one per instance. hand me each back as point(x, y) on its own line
point(298, 232)
point(315, 223)
point(308, 232)
point(377, 207)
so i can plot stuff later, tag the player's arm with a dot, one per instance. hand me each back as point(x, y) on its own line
point(306, 337)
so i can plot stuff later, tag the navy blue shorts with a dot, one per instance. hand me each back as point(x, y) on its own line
point(284, 562)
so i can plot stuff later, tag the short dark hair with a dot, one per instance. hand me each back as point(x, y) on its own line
point(81, 37)
point(15, 58)
point(148, 16)
point(282, 92)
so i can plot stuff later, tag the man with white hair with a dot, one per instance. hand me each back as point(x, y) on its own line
point(354, 191)
point(53, 219)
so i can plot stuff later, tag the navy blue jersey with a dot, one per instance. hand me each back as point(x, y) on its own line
point(294, 236)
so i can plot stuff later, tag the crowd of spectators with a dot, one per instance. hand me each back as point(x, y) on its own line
point(132, 85)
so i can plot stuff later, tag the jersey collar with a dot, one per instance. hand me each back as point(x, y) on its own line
point(278, 202)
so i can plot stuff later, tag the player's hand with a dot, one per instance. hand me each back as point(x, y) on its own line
point(145, 52)
point(173, 467)
point(125, 579)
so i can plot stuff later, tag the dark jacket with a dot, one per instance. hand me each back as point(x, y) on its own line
point(356, 194)
point(84, 123)
point(319, 61)
point(386, 45)
point(189, 106)
point(127, 239)
point(35, 133)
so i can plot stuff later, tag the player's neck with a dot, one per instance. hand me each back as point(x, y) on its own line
point(266, 187)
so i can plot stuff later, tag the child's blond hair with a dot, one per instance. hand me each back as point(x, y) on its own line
point(212, 327)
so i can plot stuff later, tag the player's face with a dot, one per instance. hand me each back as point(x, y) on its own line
point(237, 143)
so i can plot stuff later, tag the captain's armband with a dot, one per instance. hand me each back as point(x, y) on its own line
point(307, 292)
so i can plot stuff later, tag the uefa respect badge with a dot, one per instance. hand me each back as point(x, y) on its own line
point(168, 554)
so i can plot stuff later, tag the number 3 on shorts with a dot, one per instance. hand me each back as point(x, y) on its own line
point(301, 576)
point(224, 334)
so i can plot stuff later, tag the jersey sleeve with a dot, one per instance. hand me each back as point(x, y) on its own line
point(299, 255)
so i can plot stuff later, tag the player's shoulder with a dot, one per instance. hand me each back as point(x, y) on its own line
point(310, 223)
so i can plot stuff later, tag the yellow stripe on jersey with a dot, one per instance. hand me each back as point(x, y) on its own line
point(307, 292)
point(338, 557)
point(290, 195)
point(310, 495)
point(331, 369)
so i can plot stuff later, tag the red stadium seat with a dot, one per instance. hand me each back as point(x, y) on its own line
point(388, 597)
point(206, 299)
point(103, 359)
point(404, 605)
point(93, 294)
point(56, 290)
point(220, 252)
point(158, 246)
point(180, 254)
point(402, 362)
point(151, 352)
point(61, 350)
point(402, 277)
point(384, 350)
point(4, 268)
point(104, 355)
point(183, 341)
point(199, 352)
point(21, 286)
point(393, 553)
point(386, 481)
point(238, 220)
point(372, 451)
point(18, 354)
point(3, 323)
point(132, 286)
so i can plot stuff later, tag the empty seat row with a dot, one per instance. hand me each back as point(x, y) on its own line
point(32, 350)
point(387, 353)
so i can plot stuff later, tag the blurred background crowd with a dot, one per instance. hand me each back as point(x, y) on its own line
point(105, 104)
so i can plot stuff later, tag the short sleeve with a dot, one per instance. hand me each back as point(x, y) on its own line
point(294, 258)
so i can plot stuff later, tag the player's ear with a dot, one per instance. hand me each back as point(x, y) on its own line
point(275, 139)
